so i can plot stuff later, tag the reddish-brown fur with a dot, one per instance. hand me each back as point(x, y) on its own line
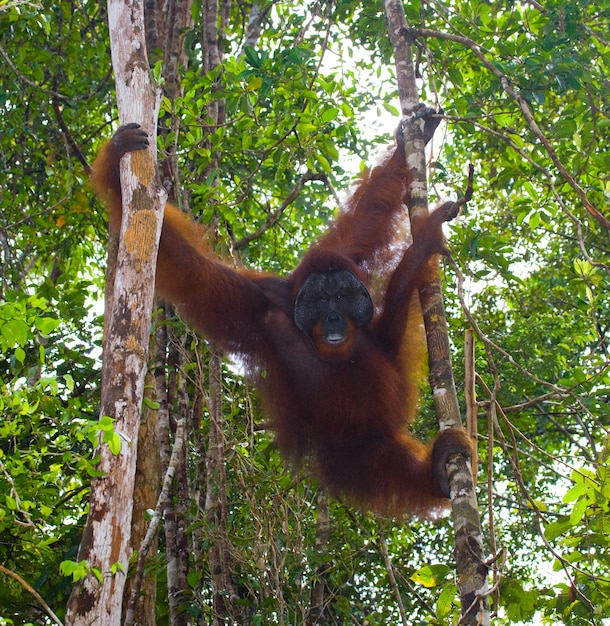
point(345, 408)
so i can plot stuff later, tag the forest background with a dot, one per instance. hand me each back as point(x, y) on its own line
point(269, 111)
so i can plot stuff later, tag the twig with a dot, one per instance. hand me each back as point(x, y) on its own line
point(275, 216)
point(525, 109)
point(33, 591)
point(390, 570)
point(156, 518)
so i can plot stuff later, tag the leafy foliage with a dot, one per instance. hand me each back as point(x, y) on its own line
point(525, 91)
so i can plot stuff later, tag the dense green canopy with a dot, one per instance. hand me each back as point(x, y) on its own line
point(305, 103)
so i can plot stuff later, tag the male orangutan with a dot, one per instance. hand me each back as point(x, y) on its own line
point(338, 373)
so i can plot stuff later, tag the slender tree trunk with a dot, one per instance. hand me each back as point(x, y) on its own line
point(320, 586)
point(220, 553)
point(468, 536)
point(106, 543)
point(176, 543)
point(146, 491)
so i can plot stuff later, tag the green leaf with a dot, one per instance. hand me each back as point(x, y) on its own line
point(106, 423)
point(578, 511)
point(252, 57)
point(446, 601)
point(14, 332)
point(46, 325)
point(557, 528)
point(20, 354)
point(329, 114)
point(430, 575)
point(114, 443)
point(78, 571)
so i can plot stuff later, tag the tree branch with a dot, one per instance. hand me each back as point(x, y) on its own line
point(275, 215)
point(468, 535)
point(33, 591)
point(525, 109)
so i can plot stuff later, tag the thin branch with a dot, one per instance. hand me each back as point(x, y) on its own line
point(539, 515)
point(68, 135)
point(525, 109)
point(15, 495)
point(179, 440)
point(550, 182)
point(275, 215)
point(33, 591)
point(51, 92)
point(383, 547)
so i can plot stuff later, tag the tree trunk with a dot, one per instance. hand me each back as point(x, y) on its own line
point(106, 542)
point(220, 553)
point(146, 491)
point(468, 536)
point(319, 587)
